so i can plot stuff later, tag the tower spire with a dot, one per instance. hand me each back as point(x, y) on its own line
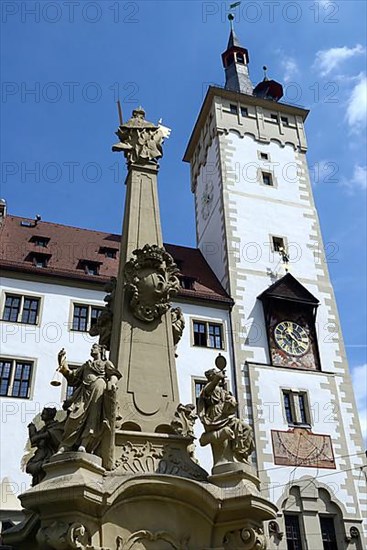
point(235, 62)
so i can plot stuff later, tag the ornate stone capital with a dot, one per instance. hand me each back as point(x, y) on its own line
point(151, 280)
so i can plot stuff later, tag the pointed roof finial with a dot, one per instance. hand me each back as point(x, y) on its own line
point(265, 73)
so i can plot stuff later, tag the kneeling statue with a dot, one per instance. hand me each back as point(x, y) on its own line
point(46, 440)
point(231, 439)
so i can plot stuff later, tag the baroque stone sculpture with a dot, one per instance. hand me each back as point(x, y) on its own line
point(230, 438)
point(140, 140)
point(46, 440)
point(103, 326)
point(151, 280)
point(91, 409)
point(178, 324)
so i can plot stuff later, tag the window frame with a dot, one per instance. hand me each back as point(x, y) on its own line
point(296, 417)
point(89, 307)
point(329, 518)
point(22, 298)
point(195, 380)
point(269, 174)
point(299, 540)
point(65, 383)
point(208, 323)
point(12, 379)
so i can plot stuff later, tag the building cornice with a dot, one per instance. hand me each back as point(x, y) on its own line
point(214, 91)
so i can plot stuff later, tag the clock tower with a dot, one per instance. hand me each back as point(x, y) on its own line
point(258, 228)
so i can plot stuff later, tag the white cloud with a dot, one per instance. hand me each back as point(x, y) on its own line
point(356, 113)
point(290, 67)
point(358, 181)
point(327, 60)
point(359, 379)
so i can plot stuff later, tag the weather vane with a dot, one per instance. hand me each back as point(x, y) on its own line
point(231, 15)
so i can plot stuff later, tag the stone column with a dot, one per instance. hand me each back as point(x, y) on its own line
point(142, 345)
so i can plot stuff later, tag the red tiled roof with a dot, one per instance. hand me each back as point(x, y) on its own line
point(68, 247)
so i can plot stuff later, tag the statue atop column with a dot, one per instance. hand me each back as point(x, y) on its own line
point(140, 140)
point(231, 439)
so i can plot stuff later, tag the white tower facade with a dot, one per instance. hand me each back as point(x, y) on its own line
point(258, 228)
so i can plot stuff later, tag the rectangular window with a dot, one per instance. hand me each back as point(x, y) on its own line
point(278, 244)
point(12, 308)
point(94, 314)
point(328, 533)
point(30, 310)
point(40, 261)
point(296, 408)
point(215, 336)
point(187, 282)
point(109, 252)
point(274, 117)
point(40, 241)
point(69, 388)
point(91, 269)
point(5, 369)
point(84, 317)
point(292, 532)
point(21, 309)
point(244, 111)
point(285, 120)
point(208, 335)
point(267, 178)
point(199, 385)
point(200, 336)
point(233, 109)
point(15, 378)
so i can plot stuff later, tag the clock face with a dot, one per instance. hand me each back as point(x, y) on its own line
point(291, 338)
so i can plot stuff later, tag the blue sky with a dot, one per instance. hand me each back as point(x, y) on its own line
point(77, 57)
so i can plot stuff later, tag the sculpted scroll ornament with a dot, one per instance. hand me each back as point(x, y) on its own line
point(151, 280)
point(251, 537)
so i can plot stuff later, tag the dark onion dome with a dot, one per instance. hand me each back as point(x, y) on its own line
point(268, 89)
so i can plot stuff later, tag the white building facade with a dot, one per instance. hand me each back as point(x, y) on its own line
point(48, 303)
point(257, 226)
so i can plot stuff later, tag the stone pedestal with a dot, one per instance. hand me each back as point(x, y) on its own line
point(81, 506)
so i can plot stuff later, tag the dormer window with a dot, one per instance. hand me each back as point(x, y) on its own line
point(89, 266)
point(109, 252)
point(40, 241)
point(38, 259)
point(188, 283)
point(240, 58)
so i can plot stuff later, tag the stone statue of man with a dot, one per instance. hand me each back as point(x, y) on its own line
point(46, 440)
point(91, 408)
point(230, 438)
